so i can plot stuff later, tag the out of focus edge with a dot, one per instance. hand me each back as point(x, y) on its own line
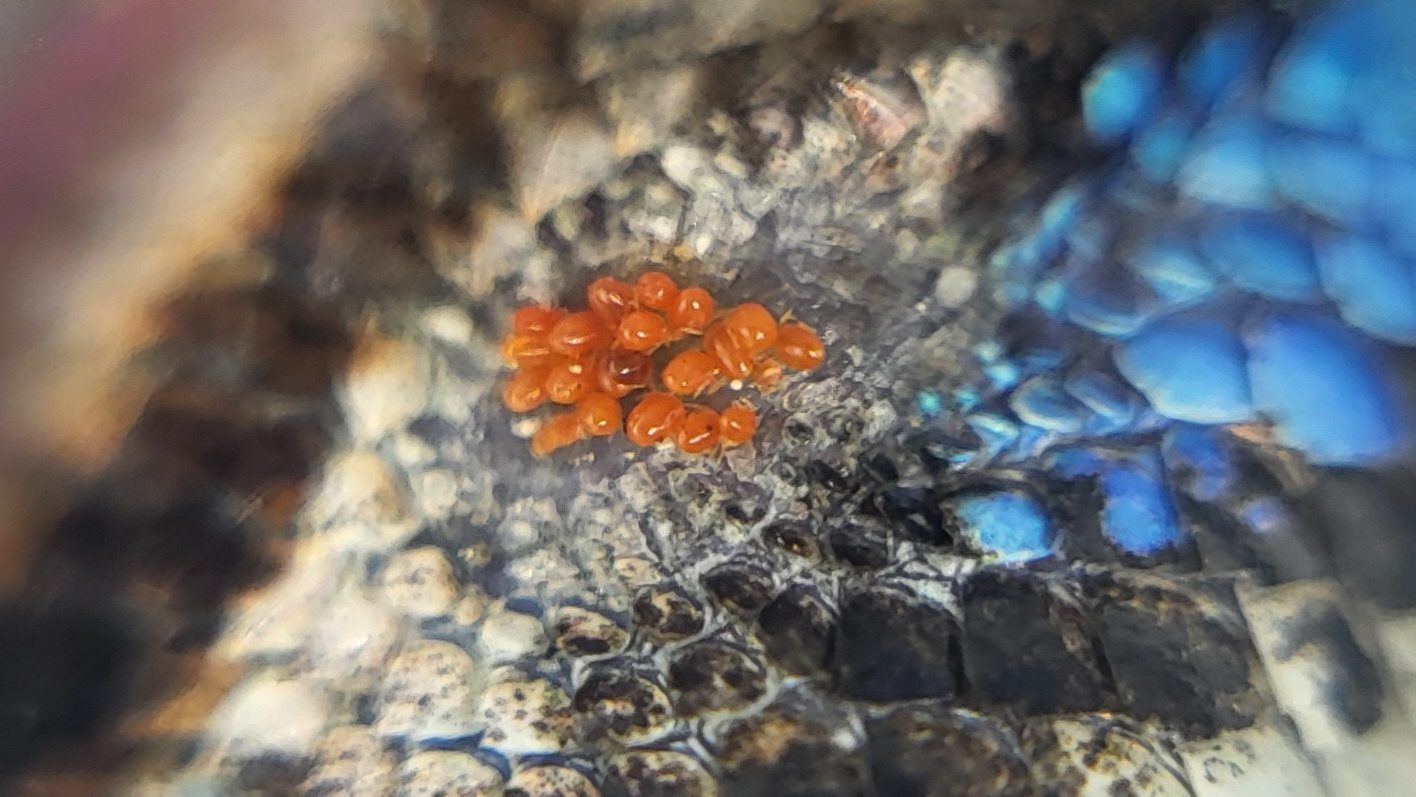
point(136, 136)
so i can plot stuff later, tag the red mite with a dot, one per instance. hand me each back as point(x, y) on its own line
point(768, 375)
point(690, 373)
point(751, 327)
point(656, 290)
point(641, 330)
point(800, 348)
point(525, 351)
point(525, 390)
point(599, 414)
point(692, 312)
point(577, 335)
point(732, 360)
point(591, 359)
point(535, 321)
point(569, 380)
point(558, 431)
point(699, 432)
point(737, 424)
point(656, 417)
point(610, 299)
point(619, 372)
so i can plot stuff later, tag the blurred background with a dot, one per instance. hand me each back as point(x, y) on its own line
point(1103, 488)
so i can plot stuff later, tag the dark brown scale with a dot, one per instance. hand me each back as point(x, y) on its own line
point(667, 613)
point(621, 702)
point(658, 773)
point(859, 545)
point(892, 646)
point(798, 629)
point(742, 588)
point(792, 537)
point(710, 676)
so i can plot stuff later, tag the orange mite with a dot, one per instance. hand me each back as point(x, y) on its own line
point(535, 320)
point(751, 327)
point(692, 312)
point(656, 291)
point(800, 348)
point(699, 432)
point(641, 330)
point(567, 381)
point(737, 424)
point(768, 374)
point(656, 417)
point(600, 415)
point(524, 351)
point(558, 431)
point(619, 372)
point(610, 299)
point(577, 335)
point(525, 390)
point(732, 360)
point(690, 373)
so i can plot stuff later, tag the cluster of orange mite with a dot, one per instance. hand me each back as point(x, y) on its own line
point(592, 359)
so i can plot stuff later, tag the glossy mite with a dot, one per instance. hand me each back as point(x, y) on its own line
point(567, 381)
point(525, 390)
point(737, 424)
point(768, 374)
point(619, 372)
point(751, 327)
point(600, 415)
point(800, 348)
point(641, 330)
point(692, 312)
point(535, 320)
point(577, 335)
point(609, 298)
point(732, 360)
point(558, 431)
point(656, 417)
point(656, 290)
point(699, 432)
point(690, 373)
point(525, 351)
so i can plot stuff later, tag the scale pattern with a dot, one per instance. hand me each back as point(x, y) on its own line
point(1110, 439)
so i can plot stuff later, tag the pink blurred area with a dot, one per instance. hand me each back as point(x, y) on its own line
point(136, 138)
point(64, 92)
point(81, 79)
